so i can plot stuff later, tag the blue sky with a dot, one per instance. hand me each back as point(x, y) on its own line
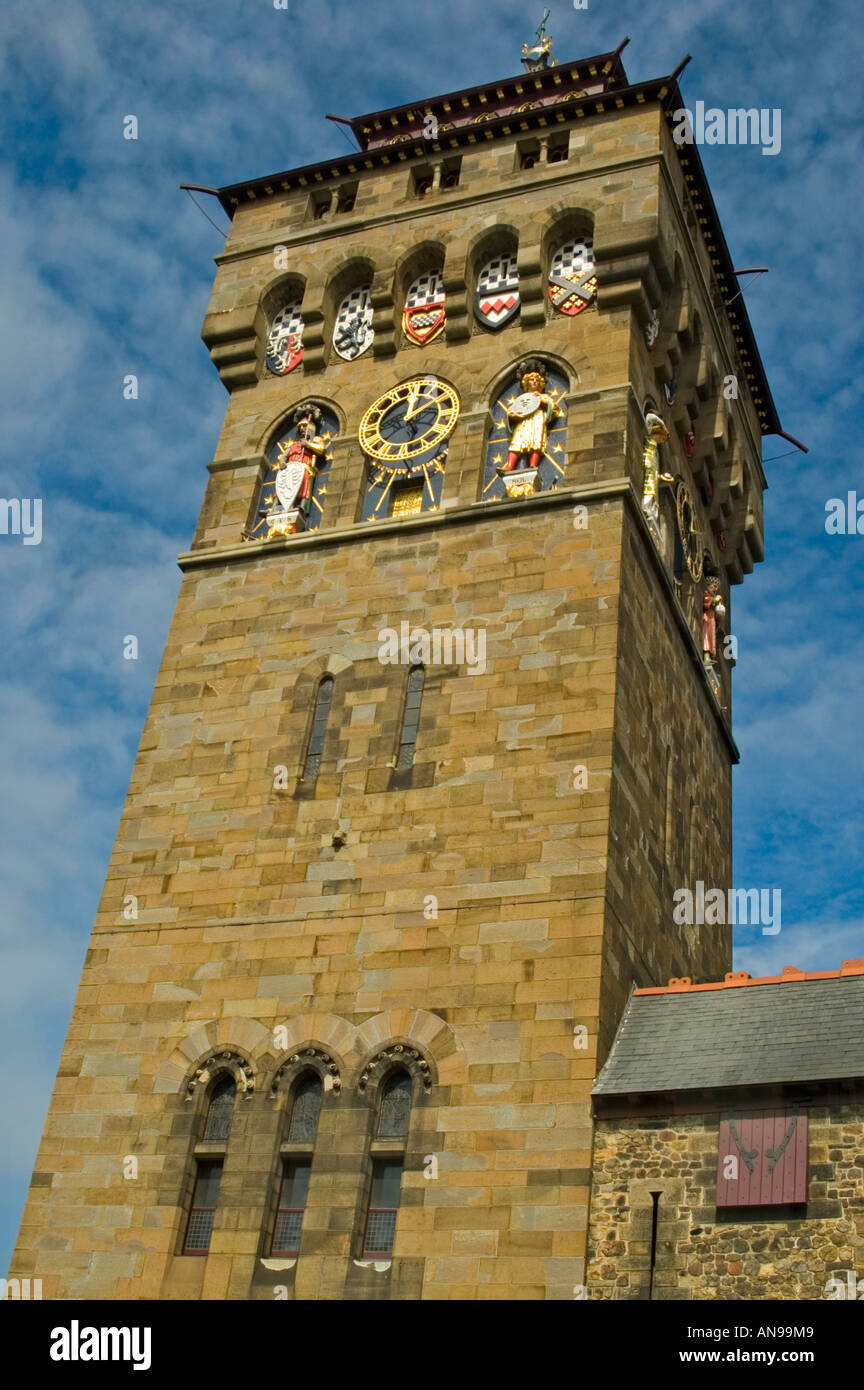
point(106, 270)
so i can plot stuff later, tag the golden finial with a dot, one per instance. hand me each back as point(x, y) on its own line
point(539, 55)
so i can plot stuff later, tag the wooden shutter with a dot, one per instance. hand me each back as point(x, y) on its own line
point(762, 1158)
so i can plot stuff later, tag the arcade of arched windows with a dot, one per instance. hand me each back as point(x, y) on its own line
point(304, 1095)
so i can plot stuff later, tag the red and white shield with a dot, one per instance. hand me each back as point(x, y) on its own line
point(285, 341)
point(497, 298)
point(289, 481)
point(423, 315)
point(572, 277)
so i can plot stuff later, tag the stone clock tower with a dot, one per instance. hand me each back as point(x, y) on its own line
point(443, 719)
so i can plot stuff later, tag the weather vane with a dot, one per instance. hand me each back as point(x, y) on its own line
point(539, 54)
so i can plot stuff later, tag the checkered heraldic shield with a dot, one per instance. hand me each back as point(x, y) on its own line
point(572, 281)
point(285, 340)
point(352, 331)
point(496, 301)
point(423, 316)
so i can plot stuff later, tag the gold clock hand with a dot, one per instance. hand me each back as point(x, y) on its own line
point(413, 407)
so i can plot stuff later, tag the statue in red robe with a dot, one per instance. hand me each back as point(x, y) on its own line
point(296, 467)
point(713, 608)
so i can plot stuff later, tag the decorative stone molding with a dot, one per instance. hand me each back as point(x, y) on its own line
point(315, 1057)
point(248, 1049)
point(532, 285)
point(406, 1056)
point(383, 321)
point(226, 1060)
point(631, 272)
point(235, 339)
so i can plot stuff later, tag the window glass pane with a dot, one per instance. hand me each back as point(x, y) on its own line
point(221, 1109)
point(199, 1231)
point(295, 1184)
point(292, 1201)
point(383, 1206)
point(410, 718)
point(395, 1107)
point(286, 1232)
point(386, 1181)
point(305, 1111)
point(207, 1185)
point(204, 1198)
point(380, 1232)
point(319, 727)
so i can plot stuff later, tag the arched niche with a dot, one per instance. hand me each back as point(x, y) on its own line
point(419, 294)
point(281, 304)
point(291, 496)
point(539, 433)
point(493, 278)
point(567, 249)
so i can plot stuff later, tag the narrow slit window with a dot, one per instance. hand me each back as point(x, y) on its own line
point(205, 1197)
point(383, 1206)
point(292, 1204)
point(410, 718)
point(319, 726)
point(669, 810)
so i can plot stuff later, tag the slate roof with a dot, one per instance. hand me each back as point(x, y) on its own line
point(743, 1032)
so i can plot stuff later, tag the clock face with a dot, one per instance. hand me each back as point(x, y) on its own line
point(408, 422)
point(688, 531)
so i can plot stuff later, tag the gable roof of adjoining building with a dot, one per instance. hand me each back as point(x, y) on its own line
point(786, 1029)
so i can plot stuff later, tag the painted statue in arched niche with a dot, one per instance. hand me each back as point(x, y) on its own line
point(653, 473)
point(292, 496)
point(525, 451)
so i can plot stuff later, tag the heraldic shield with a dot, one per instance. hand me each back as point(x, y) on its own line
point(497, 299)
point(285, 341)
point(572, 277)
point(288, 482)
point(352, 331)
point(423, 315)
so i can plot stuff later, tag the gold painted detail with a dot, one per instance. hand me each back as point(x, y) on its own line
point(408, 501)
point(688, 531)
point(521, 484)
point(409, 420)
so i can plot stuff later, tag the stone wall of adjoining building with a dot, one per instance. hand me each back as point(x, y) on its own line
point(701, 1257)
